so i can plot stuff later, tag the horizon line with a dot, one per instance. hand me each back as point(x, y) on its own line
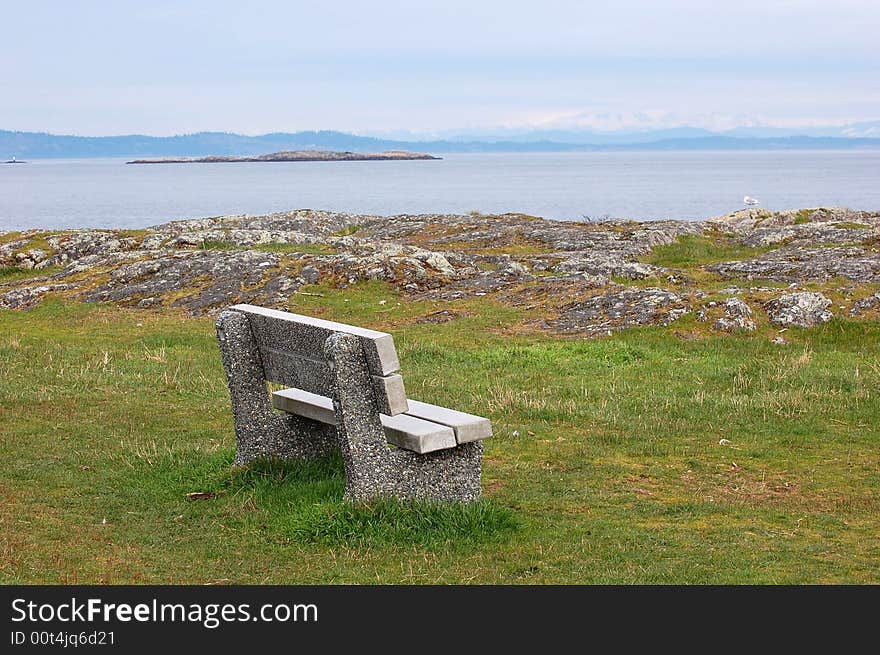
point(489, 138)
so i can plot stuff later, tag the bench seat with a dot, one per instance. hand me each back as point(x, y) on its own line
point(342, 392)
point(424, 428)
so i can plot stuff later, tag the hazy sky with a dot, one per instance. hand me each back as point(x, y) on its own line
point(156, 67)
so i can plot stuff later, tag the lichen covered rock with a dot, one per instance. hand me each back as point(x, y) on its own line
point(566, 277)
point(801, 309)
point(619, 308)
point(737, 317)
point(865, 305)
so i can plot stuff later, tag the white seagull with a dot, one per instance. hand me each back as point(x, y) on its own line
point(751, 201)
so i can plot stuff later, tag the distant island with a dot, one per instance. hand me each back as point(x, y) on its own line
point(293, 155)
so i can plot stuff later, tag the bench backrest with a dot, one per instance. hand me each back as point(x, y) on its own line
point(292, 350)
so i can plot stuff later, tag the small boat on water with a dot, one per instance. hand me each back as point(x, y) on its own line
point(15, 161)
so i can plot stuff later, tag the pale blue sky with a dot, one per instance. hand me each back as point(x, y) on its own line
point(157, 67)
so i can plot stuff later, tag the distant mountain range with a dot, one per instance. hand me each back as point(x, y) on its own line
point(38, 145)
point(868, 129)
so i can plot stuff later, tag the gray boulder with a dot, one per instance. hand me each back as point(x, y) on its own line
point(31, 258)
point(620, 308)
point(866, 304)
point(310, 274)
point(737, 317)
point(801, 309)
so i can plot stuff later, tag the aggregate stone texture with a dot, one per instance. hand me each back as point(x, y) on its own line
point(260, 431)
point(373, 469)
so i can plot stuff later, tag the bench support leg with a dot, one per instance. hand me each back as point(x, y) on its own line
point(260, 431)
point(372, 469)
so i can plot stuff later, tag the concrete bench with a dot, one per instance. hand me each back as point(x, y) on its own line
point(344, 392)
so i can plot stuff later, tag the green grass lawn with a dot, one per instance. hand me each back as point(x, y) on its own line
point(13, 273)
point(691, 250)
point(608, 464)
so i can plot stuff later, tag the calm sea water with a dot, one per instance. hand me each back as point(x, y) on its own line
point(564, 186)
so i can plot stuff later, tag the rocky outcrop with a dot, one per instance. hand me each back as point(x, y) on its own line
point(802, 309)
point(587, 278)
point(865, 305)
point(24, 297)
point(804, 245)
point(801, 264)
point(32, 258)
point(737, 317)
point(751, 222)
point(211, 278)
point(620, 308)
